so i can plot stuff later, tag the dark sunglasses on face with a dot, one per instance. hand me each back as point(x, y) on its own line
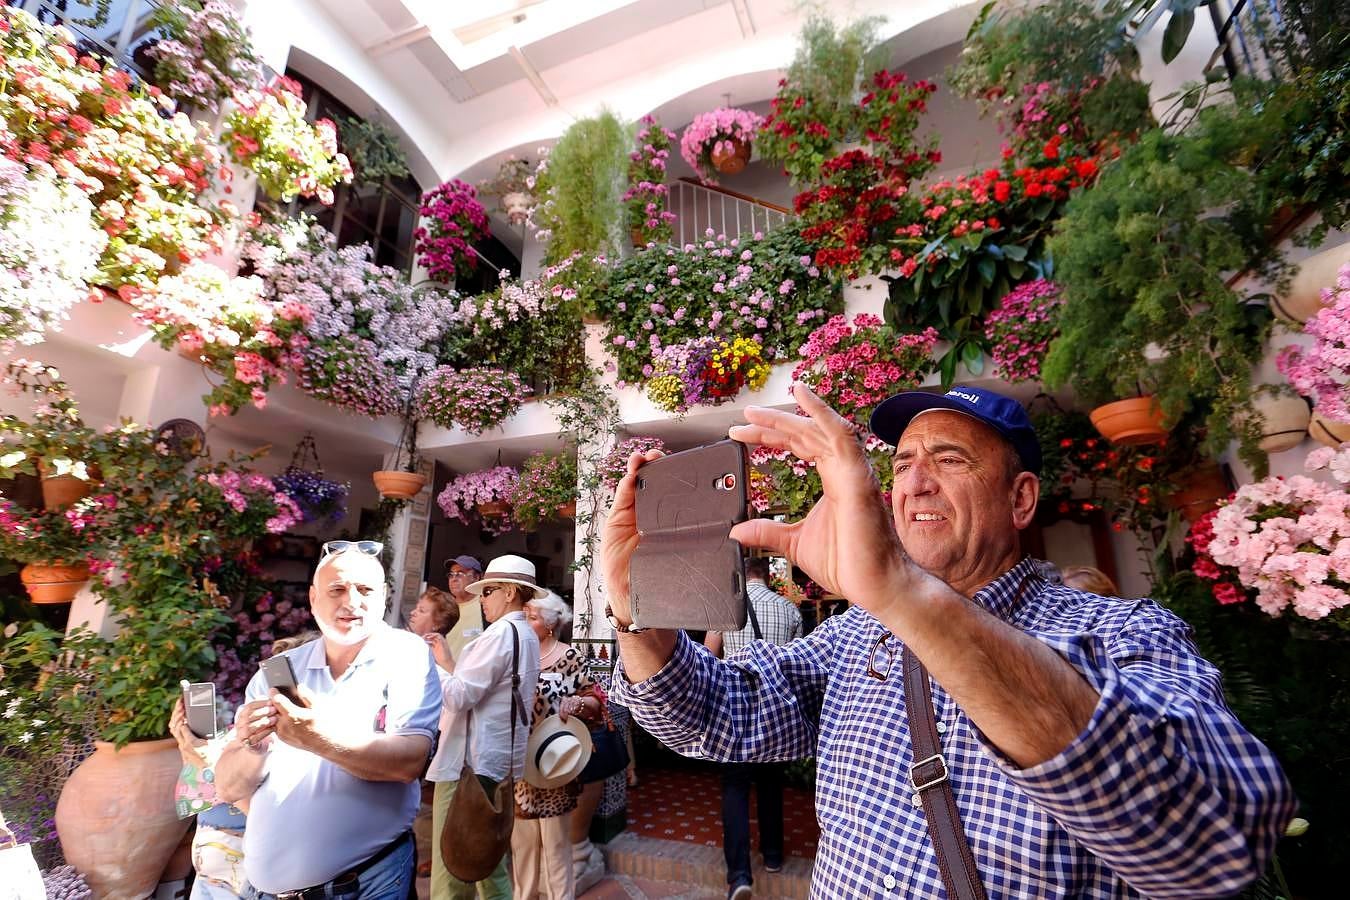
point(370, 548)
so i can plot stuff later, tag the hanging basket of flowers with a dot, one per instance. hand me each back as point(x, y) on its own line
point(486, 494)
point(720, 141)
point(476, 399)
point(514, 184)
point(318, 497)
point(548, 482)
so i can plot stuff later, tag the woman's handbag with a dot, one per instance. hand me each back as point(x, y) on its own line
point(19, 875)
point(609, 756)
point(477, 830)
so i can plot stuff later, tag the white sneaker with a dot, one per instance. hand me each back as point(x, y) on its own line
point(587, 874)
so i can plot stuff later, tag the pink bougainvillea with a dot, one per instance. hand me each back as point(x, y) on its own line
point(1021, 328)
point(455, 221)
point(1322, 371)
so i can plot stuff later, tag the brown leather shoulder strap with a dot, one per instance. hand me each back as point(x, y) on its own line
point(928, 779)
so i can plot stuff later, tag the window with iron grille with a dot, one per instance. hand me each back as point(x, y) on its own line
point(123, 33)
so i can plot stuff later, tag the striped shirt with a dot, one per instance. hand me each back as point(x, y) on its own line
point(1164, 794)
point(779, 620)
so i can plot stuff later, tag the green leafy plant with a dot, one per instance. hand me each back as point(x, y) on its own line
point(815, 109)
point(374, 151)
point(1145, 258)
point(580, 188)
point(547, 482)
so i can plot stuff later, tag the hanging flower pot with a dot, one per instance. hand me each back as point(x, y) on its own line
point(61, 491)
point(1286, 417)
point(1305, 289)
point(116, 817)
point(1131, 422)
point(398, 485)
point(492, 510)
point(54, 582)
point(517, 206)
point(731, 157)
point(1328, 431)
point(568, 510)
point(1201, 491)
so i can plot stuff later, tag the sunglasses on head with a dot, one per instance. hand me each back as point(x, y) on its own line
point(370, 548)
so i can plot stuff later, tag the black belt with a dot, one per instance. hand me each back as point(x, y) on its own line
point(349, 882)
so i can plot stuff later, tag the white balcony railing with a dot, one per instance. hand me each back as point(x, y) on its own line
point(699, 208)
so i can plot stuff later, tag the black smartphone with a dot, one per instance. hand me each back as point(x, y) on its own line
point(687, 572)
point(199, 701)
point(278, 674)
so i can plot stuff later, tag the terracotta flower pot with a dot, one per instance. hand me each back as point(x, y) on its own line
point(1315, 274)
point(1286, 419)
point(53, 582)
point(60, 491)
point(1204, 488)
point(517, 206)
point(495, 509)
point(635, 235)
point(116, 817)
point(398, 485)
point(1138, 420)
point(1328, 431)
point(731, 161)
point(568, 510)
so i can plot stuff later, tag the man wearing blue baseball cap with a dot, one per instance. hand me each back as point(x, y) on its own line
point(1065, 744)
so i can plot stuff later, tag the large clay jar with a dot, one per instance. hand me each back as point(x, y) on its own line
point(1201, 491)
point(1328, 431)
point(1315, 274)
point(1286, 421)
point(116, 817)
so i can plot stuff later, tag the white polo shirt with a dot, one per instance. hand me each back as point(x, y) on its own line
point(311, 820)
point(482, 683)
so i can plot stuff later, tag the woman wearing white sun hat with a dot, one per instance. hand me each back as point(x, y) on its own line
point(480, 682)
point(541, 841)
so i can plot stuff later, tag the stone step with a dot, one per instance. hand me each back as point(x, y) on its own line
point(700, 866)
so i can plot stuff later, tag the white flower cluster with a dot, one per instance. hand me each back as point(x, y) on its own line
point(49, 249)
point(349, 295)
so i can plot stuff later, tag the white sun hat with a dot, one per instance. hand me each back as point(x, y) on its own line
point(511, 569)
point(557, 751)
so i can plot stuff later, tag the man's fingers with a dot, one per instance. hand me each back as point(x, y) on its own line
point(765, 534)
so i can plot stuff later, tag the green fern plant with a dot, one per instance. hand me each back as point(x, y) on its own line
point(581, 189)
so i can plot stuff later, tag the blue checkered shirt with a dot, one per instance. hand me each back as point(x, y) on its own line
point(1164, 794)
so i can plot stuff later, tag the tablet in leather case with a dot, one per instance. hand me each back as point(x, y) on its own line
point(686, 571)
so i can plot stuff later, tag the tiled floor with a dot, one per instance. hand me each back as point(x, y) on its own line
point(624, 887)
point(686, 805)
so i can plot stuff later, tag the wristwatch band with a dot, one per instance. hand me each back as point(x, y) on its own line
point(614, 623)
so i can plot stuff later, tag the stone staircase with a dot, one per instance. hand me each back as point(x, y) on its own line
point(700, 867)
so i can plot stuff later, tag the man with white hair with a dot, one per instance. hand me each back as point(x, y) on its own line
point(330, 783)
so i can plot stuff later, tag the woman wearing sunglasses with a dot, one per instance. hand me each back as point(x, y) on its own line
point(481, 684)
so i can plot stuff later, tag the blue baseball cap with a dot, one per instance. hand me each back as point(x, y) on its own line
point(464, 562)
point(1004, 414)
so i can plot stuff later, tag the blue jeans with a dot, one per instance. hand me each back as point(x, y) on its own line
point(736, 781)
point(389, 879)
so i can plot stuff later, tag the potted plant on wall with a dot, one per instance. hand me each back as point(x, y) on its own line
point(476, 399)
point(513, 186)
point(719, 141)
point(54, 444)
point(486, 493)
point(648, 195)
point(374, 151)
point(546, 489)
point(54, 547)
